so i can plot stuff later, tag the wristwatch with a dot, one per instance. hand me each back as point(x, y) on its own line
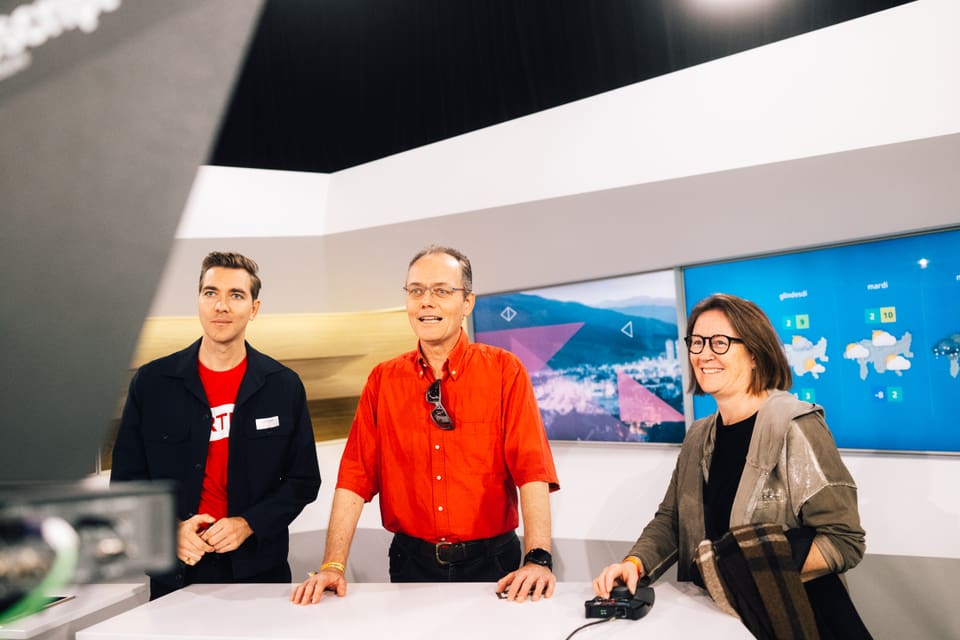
point(539, 556)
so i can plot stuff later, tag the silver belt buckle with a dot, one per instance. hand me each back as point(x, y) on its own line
point(436, 551)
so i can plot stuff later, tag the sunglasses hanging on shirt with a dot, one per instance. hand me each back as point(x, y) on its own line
point(439, 413)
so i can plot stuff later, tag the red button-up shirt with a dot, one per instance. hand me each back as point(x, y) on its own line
point(448, 485)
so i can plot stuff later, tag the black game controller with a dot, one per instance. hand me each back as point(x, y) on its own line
point(621, 604)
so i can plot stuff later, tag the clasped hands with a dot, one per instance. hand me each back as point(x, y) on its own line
point(203, 533)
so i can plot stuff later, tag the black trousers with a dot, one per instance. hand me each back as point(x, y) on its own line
point(214, 568)
point(413, 560)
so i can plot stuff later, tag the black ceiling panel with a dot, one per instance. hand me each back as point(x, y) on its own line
point(330, 84)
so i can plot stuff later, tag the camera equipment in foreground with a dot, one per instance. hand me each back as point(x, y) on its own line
point(53, 535)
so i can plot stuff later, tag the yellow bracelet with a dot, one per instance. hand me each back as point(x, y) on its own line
point(635, 561)
point(339, 566)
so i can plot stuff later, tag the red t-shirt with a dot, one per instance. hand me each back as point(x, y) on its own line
point(448, 485)
point(221, 388)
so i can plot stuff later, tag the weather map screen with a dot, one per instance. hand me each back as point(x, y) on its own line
point(602, 355)
point(871, 332)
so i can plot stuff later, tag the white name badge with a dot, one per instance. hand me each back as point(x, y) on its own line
point(268, 423)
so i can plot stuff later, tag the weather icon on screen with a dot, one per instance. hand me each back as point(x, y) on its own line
point(883, 350)
point(949, 348)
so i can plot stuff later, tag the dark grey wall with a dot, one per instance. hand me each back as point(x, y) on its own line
point(102, 136)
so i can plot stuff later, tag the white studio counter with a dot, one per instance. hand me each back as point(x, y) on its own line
point(400, 611)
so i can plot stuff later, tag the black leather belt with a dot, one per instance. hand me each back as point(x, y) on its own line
point(452, 552)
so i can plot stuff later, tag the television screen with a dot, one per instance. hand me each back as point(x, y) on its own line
point(871, 332)
point(602, 355)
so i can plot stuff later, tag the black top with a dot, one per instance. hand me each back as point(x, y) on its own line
point(726, 467)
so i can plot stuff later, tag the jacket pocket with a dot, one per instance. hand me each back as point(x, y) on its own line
point(168, 448)
point(170, 432)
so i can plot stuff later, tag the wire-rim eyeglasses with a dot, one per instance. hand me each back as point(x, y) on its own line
point(417, 292)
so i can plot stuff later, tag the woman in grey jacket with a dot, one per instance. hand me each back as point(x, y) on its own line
point(763, 457)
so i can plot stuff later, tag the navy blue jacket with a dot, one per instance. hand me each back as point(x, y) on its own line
point(272, 473)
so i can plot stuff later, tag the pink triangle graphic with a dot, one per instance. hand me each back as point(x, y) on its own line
point(638, 404)
point(533, 345)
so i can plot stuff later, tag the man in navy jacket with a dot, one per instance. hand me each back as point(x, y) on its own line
point(230, 427)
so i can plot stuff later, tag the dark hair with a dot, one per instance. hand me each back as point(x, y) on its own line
point(466, 271)
point(751, 324)
point(232, 261)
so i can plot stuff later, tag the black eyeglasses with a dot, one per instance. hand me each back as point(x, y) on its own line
point(439, 414)
point(719, 343)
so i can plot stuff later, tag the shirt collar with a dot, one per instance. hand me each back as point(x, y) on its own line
point(455, 361)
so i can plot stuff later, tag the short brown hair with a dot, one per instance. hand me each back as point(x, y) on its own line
point(466, 270)
point(232, 261)
point(751, 324)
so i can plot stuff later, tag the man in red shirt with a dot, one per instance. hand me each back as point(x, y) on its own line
point(446, 434)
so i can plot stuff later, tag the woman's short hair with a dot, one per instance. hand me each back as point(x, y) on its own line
point(751, 324)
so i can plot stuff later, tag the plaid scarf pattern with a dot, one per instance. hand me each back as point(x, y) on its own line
point(750, 573)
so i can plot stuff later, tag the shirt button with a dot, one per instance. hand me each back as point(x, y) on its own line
point(438, 477)
point(197, 466)
point(436, 446)
point(439, 508)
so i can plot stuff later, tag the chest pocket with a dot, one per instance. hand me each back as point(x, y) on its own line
point(166, 430)
point(481, 445)
point(167, 443)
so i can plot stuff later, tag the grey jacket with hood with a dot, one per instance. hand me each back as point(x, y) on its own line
point(793, 475)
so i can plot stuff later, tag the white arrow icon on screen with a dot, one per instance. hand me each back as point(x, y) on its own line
point(627, 329)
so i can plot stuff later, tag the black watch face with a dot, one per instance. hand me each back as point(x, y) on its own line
point(539, 556)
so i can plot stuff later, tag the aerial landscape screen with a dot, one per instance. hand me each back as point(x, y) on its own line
point(603, 355)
